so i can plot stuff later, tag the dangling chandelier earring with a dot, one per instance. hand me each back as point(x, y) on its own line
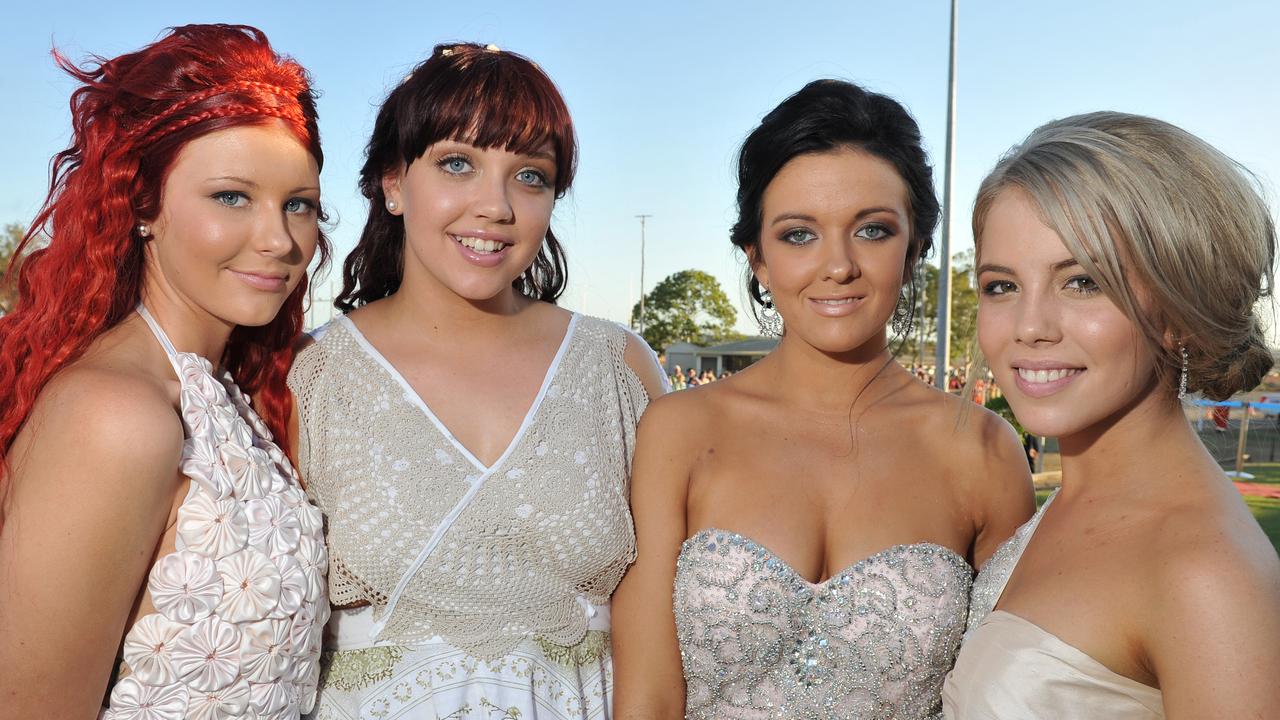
point(1182, 379)
point(901, 323)
point(770, 320)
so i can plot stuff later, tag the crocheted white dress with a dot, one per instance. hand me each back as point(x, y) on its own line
point(483, 589)
point(241, 603)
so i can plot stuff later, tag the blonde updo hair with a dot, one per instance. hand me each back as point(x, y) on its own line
point(1172, 230)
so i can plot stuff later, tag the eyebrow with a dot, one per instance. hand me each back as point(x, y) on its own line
point(809, 218)
point(252, 184)
point(1056, 267)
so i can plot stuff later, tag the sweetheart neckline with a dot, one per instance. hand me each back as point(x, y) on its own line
point(952, 556)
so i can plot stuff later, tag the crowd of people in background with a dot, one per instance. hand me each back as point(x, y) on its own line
point(681, 378)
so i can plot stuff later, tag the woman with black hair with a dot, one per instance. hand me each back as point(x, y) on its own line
point(820, 513)
point(469, 441)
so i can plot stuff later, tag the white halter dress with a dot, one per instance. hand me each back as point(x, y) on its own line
point(241, 603)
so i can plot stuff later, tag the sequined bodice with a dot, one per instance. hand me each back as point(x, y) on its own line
point(873, 641)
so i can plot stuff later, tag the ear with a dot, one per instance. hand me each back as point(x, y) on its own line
point(391, 189)
point(758, 268)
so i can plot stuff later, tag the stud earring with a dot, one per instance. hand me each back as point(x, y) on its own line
point(770, 320)
point(1182, 379)
point(391, 205)
point(144, 230)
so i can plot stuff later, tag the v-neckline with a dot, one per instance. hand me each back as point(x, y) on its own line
point(416, 398)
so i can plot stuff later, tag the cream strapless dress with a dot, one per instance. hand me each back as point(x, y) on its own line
point(1010, 668)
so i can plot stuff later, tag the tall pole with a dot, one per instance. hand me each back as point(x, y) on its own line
point(942, 354)
point(642, 219)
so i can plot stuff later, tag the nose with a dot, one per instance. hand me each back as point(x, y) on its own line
point(1037, 320)
point(274, 237)
point(491, 202)
point(838, 262)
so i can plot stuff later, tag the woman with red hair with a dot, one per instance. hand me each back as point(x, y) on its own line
point(468, 440)
point(154, 541)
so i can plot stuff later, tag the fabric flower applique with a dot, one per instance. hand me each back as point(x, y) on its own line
point(273, 700)
point(132, 700)
point(315, 564)
point(185, 586)
point(250, 586)
point(223, 704)
point(213, 527)
point(275, 526)
point(200, 462)
point(293, 586)
point(206, 655)
point(265, 650)
point(251, 479)
point(146, 649)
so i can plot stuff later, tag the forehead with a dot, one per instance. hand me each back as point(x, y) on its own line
point(1015, 234)
point(836, 182)
point(261, 152)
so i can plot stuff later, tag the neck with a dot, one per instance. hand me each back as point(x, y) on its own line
point(1149, 438)
point(190, 328)
point(821, 379)
point(424, 302)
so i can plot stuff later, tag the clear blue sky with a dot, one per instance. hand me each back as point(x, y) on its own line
point(662, 93)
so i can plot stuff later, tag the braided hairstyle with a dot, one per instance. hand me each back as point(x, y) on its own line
point(130, 118)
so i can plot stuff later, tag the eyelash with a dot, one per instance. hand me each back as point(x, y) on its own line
point(790, 236)
point(995, 288)
point(540, 178)
point(310, 205)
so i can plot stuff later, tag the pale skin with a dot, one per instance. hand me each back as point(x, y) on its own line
point(92, 482)
point(470, 346)
point(1147, 560)
point(826, 451)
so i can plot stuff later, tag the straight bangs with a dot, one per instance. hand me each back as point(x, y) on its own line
point(496, 100)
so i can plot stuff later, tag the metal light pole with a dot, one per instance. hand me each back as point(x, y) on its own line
point(942, 351)
point(642, 219)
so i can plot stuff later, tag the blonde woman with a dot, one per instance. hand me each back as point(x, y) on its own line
point(1119, 261)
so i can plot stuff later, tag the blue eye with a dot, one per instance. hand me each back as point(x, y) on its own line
point(798, 236)
point(533, 178)
point(299, 206)
point(231, 198)
point(874, 231)
point(455, 164)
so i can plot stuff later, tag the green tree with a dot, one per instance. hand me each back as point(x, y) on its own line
point(964, 311)
point(688, 306)
point(9, 240)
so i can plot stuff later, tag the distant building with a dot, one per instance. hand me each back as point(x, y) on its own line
point(732, 356)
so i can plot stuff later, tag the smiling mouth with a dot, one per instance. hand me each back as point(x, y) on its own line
point(840, 301)
point(1046, 376)
point(483, 247)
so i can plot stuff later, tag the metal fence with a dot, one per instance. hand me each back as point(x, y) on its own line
point(1239, 433)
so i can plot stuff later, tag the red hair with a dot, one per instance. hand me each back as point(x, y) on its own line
point(130, 118)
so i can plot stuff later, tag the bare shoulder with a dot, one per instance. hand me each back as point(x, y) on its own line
point(109, 420)
point(1210, 626)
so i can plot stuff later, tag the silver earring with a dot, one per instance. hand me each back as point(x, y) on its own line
point(144, 230)
point(770, 320)
point(1182, 380)
point(901, 316)
point(391, 205)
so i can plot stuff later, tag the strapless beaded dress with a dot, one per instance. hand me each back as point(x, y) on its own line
point(758, 641)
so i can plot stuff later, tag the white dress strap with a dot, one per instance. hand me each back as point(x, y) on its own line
point(156, 330)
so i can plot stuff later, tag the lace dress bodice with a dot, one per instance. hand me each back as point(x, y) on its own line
point(873, 641)
point(241, 603)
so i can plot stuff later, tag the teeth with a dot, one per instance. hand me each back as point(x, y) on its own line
point(841, 301)
point(484, 246)
point(1045, 376)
